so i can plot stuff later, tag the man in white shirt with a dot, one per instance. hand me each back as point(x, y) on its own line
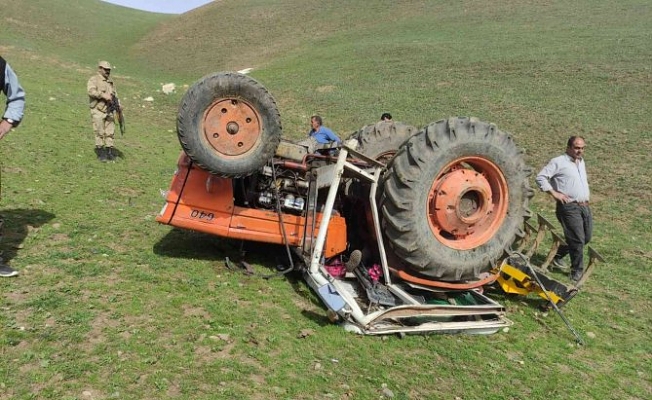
point(565, 180)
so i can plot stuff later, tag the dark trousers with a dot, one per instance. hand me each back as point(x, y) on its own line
point(578, 226)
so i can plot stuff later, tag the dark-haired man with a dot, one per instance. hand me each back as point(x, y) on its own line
point(12, 116)
point(320, 133)
point(386, 117)
point(565, 180)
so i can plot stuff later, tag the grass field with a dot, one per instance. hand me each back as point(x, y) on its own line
point(110, 305)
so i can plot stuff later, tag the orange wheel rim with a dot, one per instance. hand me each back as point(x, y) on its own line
point(386, 156)
point(232, 127)
point(467, 203)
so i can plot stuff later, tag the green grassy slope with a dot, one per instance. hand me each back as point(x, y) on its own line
point(75, 30)
point(111, 305)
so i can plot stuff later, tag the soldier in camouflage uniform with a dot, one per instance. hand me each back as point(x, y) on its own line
point(100, 93)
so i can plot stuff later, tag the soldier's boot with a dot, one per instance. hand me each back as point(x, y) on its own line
point(102, 156)
point(98, 151)
point(110, 155)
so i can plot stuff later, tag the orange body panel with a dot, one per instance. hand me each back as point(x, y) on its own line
point(203, 202)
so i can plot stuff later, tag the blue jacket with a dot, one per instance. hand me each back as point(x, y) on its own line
point(324, 135)
point(15, 94)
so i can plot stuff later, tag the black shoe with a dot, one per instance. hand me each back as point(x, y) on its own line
point(559, 264)
point(110, 156)
point(102, 154)
point(6, 271)
point(576, 275)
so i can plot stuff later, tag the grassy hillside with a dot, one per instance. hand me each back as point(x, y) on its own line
point(75, 30)
point(111, 305)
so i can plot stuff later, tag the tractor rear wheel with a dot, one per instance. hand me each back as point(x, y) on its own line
point(454, 198)
point(229, 124)
point(381, 140)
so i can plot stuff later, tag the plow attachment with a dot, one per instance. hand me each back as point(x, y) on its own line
point(516, 278)
point(518, 275)
point(533, 238)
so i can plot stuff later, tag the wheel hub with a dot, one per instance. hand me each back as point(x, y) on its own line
point(461, 202)
point(232, 127)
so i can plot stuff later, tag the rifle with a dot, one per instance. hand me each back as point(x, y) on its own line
point(114, 107)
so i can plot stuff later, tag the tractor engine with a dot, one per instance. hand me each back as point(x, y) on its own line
point(262, 190)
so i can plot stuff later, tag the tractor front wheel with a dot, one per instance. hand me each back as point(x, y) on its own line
point(229, 124)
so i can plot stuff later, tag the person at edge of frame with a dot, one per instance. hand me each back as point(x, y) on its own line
point(386, 117)
point(12, 116)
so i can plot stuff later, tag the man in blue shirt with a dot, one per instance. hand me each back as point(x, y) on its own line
point(321, 134)
point(565, 180)
point(13, 114)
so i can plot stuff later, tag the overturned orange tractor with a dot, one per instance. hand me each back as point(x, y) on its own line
point(432, 209)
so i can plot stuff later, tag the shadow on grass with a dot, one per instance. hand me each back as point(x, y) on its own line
point(118, 154)
point(180, 243)
point(319, 319)
point(17, 225)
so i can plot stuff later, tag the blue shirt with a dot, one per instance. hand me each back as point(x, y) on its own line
point(566, 176)
point(15, 96)
point(324, 135)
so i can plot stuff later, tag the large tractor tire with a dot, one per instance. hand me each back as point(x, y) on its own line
point(382, 140)
point(229, 124)
point(455, 197)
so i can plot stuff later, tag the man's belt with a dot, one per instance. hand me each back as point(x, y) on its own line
point(579, 203)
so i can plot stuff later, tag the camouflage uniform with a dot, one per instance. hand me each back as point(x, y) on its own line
point(99, 88)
